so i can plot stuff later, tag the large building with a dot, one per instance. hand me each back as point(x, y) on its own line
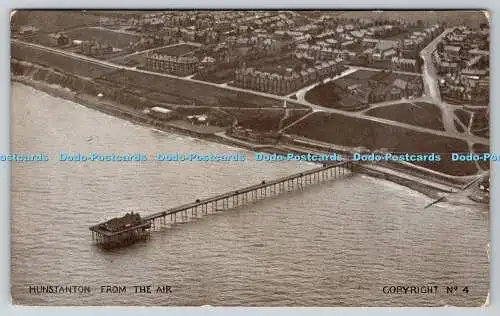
point(404, 64)
point(95, 48)
point(384, 50)
point(180, 66)
point(58, 39)
point(316, 52)
point(288, 82)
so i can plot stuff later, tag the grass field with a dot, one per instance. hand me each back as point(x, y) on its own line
point(219, 76)
point(260, 120)
point(118, 40)
point(59, 62)
point(52, 21)
point(420, 114)
point(480, 123)
point(463, 116)
point(264, 120)
point(355, 132)
point(458, 126)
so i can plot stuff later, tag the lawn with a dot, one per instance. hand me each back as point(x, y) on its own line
point(464, 116)
point(264, 120)
point(458, 126)
point(355, 132)
point(260, 120)
point(58, 62)
point(52, 21)
point(422, 114)
point(480, 124)
point(219, 76)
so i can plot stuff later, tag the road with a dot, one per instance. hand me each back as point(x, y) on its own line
point(296, 122)
point(300, 94)
point(431, 83)
point(392, 102)
point(378, 69)
point(314, 107)
point(144, 51)
point(429, 70)
point(117, 30)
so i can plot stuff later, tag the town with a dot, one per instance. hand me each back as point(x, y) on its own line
point(329, 80)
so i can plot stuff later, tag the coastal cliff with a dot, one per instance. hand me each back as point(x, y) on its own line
point(77, 84)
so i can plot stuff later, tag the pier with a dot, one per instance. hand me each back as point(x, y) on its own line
point(240, 197)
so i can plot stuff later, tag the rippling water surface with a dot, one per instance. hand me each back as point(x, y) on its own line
point(336, 244)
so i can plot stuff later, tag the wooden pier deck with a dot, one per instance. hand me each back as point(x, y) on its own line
point(250, 194)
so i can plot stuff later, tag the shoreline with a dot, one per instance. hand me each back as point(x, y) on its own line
point(136, 117)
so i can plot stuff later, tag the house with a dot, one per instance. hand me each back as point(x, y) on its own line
point(388, 54)
point(58, 39)
point(95, 48)
point(384, 50)
point(369, 42)
point(347, 44)
point(453, 50)
point(28, 30)
point(384, 89)
point(207, 64)
point(404, 64)
point(447, 67)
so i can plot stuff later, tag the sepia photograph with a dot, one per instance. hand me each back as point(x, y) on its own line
point(276, 158)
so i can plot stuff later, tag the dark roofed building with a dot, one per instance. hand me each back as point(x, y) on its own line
point(59, 39)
